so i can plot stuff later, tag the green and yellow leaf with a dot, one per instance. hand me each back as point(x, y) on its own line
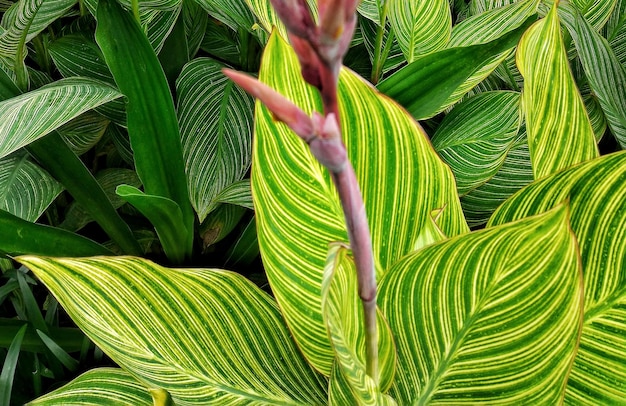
point(488, 317)
point(298, 212)
point(205, 336)
point(596, 191)
point(549, 95)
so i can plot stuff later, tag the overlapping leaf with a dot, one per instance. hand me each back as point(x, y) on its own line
point(216, 128)
point(491, 317)
point(268, 18)
point(30, 116)
point(205, 336)
point(233, 13)
point(550, 94)
point(83, 133)
point(475, 137)
point(421, 27)
point(596, 191)
point(26, 190)
point(596, 12)
point(298, 212)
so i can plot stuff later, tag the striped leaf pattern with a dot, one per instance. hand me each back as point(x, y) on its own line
point(476, 135)
point(159, 25)
point(606, 75)
point(421, 27)
point(216, 123)
point(83, 133)
point(219, 223)
point(298, 212)
point(491, 317)
point(339, 393)
point(549, 95)
point(238, 193)
point(111, 386)
point(343, 315)
point(143, 5)
point(267, 17)
point(205, 336)
point(234, 13)
point(596, 191)
point(26, 190)
point(596, 12)
point(370, 9)
point(515, 173)
point(30, 116)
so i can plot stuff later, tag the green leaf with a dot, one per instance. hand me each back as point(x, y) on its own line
point(19, 236)
point(267, 17)
point(196, 22)
point(220, 223)
point(431, 232)
point(166, 217)
point(84, 132)
point(596, 191)
point(343, 315)
point(606, 75)
point(30, 18)
point(23, 120)
point(474, 138)
point(205, 336)
point(67, 360)
point(69, 339)
point(26, 190)
point(238, 193)
point(298, 212)
point(245, 249)
point(216, 128)
point(9, 366)
point(152, 122)
point(596, 12)
point(550, 94)
point(498, 315)
point(421, 27)
point(111, 386)
point(234, 13)
point(426, 86)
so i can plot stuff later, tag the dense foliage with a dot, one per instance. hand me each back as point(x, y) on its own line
point(486, 139)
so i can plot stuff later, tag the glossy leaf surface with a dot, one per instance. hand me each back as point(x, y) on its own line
point(205, 336)
point(298, 212)
point(597, 194)
point(488, 317)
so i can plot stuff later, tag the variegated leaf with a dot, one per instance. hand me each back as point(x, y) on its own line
point(421, 27)
point(236, 14)
point(215, 119)
point(491, 317)
point(26, 190)
point(83, 133)
point(550, 94)
point(205, 336)
point(298, 212)
point(596, 191)
point(268, 18)
point(23, 120)
point(596, 12)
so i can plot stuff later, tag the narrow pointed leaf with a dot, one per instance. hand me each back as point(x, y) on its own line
point(549, 95)
point(111, 386)
point(245, 249)
point(205, 336)
point(216, 128)
point(23, 120)
point(298, 212)
point(421, 27)
point(343, 315)
point(596, 191)
point(499, 314)
point(152, 121)
point(10, 365)
point(26, 190)
point(476, 135)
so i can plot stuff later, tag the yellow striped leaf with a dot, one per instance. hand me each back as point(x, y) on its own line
point(491, 317)
point(267, 17)
point(110, 386)
point(206, 336)
point(596, 191)
point(559, 131)
point(597, 12)
point(421, 27)
point(343, 315)
point(339, 393)
point(298, 212)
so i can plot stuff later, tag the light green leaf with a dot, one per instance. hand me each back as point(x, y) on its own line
point(596, 191)
point(606, 76)
point(596, 12)
point(23, 120)
point(205, 336)
point(343, 315)
point(267, 17)
point(30, 18)
point(238, 193)
point(480, 6)
point(111, 386)
point(370, 9)
point(421, 27)
point(166, 217)
point(474, 138)
point(431, 232)
point(216, 127)
point(339, 392)
point(26, 190)
point(549, 96)
point(488, 317)
point(298, 212)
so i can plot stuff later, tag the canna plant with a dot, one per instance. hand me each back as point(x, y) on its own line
point(412, 308)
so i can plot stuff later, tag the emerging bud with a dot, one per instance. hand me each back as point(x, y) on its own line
point(282, 108)
point(310, 64)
